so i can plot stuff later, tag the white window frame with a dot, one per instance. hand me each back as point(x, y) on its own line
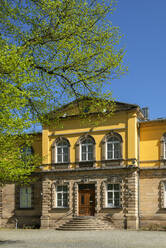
point(108, 205)
point(26, 199)
point(164, 185)
point(164, 147)
point(62, 147)
point(62, 193)
point(113, 151)
point(86, 154)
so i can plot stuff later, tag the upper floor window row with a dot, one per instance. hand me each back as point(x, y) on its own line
point(85, 149)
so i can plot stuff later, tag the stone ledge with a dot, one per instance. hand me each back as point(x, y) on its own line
point(86, 169)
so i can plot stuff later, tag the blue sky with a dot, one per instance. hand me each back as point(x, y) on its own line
point(143, 24)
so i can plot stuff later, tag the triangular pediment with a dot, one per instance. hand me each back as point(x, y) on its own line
point(87, 105)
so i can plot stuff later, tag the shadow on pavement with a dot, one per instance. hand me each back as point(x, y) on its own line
point(2, 242)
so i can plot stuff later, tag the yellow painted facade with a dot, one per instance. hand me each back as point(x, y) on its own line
point(37, 144)
point(151, 133)
point(141, 140)
point(123, 123)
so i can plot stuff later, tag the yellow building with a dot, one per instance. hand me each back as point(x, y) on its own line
point(108, 174)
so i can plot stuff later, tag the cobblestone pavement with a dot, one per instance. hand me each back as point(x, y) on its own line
point(84, 239)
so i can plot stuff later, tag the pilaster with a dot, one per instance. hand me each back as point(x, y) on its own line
point(132, 138)
point(75, 199)
point(132, 201)
point(98, 195)
point(46, 203)
point(45, 146)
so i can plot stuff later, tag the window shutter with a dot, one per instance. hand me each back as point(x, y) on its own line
point(68, 154)
point(94, 152)
point(22, 197)
point(77, 152)
point(103, 150)
point(29, 197)
point(121, 149)
point(53, 154)
point(33, 203)
point(17, 195)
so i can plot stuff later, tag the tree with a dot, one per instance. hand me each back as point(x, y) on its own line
point(51, 51)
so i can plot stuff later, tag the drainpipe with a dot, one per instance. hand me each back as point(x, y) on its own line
point(138, 182)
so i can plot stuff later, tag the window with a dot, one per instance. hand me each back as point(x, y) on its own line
point(113, 195)
point(164, 189)
point(164, 146)
point(62, 149)
point(87, 149)
point(113, 148)
point(26, 153)
point(163, 150)
point(62, 196)
point(163, 194)
point(25, 197)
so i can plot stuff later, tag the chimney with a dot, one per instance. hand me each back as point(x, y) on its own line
point(145, 112)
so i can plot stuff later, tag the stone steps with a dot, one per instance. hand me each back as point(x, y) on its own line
point(85, 223)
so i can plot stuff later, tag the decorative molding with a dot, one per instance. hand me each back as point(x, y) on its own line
point(87, 132)
point(151, 161)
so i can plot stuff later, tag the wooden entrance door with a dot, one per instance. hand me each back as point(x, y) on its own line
point(86, 202)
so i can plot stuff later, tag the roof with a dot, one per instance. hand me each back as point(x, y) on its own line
point(125, 106)
point(90, 105)
point(148, 122)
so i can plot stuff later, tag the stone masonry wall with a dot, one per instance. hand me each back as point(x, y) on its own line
point(45, 213)
point(152, 212)
point(126, 215)
point(11, 213)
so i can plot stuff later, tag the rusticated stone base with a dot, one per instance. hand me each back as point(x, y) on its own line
point(21, 222)
point(52, 217)
point(46, 214)
point(44, 222)
point(116, 222)
point(152, 210)
point(132, 223)
point(153, 225)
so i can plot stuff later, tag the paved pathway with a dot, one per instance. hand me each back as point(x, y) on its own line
point(85, 239)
